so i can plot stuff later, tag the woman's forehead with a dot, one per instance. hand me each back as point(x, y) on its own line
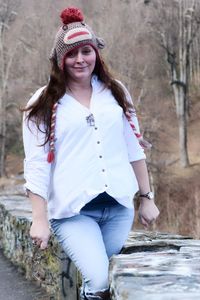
point(81, 48)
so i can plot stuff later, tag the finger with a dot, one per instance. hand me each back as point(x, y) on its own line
point(143, 221)
point(44, 244)
point(38, 242)
point(34, 240)
point(151, 221)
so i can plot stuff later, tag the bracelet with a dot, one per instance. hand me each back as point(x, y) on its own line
point(148, 195)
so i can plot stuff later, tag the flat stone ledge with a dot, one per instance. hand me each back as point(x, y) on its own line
point(156, 266)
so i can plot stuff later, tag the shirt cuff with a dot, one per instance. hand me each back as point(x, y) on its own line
point(137, 156)
point(35, 190)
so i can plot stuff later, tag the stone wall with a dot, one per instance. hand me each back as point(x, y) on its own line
point(156, 266)
point(152, 265)
point(50, 268)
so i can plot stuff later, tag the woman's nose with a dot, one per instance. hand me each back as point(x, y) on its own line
point(79, 57)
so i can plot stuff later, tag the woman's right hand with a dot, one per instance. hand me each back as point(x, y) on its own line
point(40, 229)
point(40, 232)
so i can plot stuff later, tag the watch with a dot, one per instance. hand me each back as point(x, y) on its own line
point(148, 195)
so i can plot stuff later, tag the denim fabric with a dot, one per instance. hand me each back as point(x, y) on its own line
point(91, 238)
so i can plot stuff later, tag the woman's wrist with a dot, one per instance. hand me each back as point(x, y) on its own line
point(39, 218)
point(144, 200)
point(39, 208)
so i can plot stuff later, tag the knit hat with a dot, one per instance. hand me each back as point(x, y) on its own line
point(73, 34)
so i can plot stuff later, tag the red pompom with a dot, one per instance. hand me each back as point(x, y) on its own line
point(50, 157)
point(70, 15)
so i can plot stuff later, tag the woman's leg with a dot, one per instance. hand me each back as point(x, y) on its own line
point(115, 223)
point(115, 227)
point(81, 239)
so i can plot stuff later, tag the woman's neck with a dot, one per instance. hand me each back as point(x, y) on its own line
point(73, 85)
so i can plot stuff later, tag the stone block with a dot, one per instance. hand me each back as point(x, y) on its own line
point(156, 266)
point(50, 268)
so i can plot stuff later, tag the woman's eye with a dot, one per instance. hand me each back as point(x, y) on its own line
point(71, 54)
point(87, 51)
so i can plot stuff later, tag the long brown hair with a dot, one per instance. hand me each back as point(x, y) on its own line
point(41, 110)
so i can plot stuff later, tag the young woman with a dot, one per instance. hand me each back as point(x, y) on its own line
point(84, 161)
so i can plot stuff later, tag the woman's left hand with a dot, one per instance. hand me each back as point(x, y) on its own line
point(148, 212)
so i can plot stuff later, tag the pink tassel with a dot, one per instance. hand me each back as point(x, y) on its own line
point(50, 157)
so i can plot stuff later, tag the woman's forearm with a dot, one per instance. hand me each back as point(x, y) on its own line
point(141, 173)
point(39, 207)
point(39, 230)
point(148, 211)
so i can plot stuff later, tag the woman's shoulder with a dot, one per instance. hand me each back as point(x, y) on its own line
point(35, 96)
point(122, 85)
point(126, 91)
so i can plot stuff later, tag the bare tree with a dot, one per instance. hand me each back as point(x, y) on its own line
point(7, 16)
point(176, 35)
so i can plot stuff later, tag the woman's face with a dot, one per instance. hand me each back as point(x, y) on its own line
point(80, 63)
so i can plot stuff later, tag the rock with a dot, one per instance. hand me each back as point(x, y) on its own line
point(151, 266)
point(156, 266)
point(51, 268)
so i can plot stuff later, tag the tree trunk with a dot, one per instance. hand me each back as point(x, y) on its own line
point(2, 150)
point(182, 120)
point(2, 137)
point(180, 96)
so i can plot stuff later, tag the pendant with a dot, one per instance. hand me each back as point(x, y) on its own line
point(90, 120)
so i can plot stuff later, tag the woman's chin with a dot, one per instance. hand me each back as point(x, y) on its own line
point(82, 75)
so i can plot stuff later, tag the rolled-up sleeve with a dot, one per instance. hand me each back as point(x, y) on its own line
point(135, 151)
point(134, 118)
point(36, 168)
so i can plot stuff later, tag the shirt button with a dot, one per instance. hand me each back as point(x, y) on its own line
point(98, 142)
point(95, 128)
point(106, 185)
point(103, 170)
point(100, 156)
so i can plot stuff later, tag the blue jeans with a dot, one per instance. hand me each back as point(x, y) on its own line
point(92, 237)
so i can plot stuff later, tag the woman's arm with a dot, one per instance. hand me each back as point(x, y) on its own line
point(39, 231)
point(37, 174)
point(148, 211)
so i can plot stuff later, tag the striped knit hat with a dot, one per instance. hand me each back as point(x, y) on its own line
point(73, 34)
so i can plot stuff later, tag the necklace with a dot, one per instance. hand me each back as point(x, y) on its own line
point(90, 118)
point(82, 96)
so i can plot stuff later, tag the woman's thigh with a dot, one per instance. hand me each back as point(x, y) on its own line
point(81, 239)
point(115, 229)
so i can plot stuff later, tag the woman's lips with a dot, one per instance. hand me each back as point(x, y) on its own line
point(80, 68)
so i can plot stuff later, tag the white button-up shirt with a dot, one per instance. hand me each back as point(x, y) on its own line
point(90, 157)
